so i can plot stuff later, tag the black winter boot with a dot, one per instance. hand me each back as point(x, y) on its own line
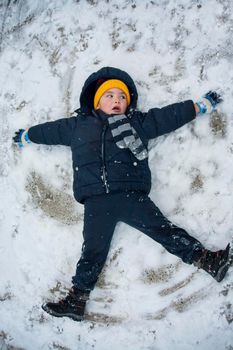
point(215, 263)
point(73, 305)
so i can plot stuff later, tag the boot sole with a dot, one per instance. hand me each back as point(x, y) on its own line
point(74, 317)
point(223, 270)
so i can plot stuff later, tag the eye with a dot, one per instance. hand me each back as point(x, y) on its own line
point(123, 97)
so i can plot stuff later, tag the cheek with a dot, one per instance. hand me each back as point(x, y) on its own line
point(105, 105)
point(106, 101)
point(124, 105)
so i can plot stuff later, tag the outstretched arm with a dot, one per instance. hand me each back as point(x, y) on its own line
point(161, 121)
point(58, 132)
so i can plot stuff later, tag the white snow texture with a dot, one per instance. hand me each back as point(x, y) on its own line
point(145, 298)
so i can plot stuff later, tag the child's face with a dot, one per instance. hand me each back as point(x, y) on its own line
point(113, 101)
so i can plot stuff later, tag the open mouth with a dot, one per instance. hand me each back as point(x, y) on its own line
point(116, 109)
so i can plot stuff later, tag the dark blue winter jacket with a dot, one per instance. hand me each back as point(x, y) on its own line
point(99, 165)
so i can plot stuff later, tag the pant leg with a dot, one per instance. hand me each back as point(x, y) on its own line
point(143, 215)
point(99, 224)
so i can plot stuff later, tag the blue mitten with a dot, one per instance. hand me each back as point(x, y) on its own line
point(21, 138)
point(209, 102)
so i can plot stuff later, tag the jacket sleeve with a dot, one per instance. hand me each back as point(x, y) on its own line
point(159, 121)
point(58, 132)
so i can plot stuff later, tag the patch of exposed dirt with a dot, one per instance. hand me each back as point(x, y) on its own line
point(6, 296)
point(218, 124)
point(162, 274)
point(103, 318)
point(197, 183)
point(54, 203)
point(102, 282)
point(179, 305)
point(227, 311)
point(4, 342)
point(57, 346)
point(177, 286)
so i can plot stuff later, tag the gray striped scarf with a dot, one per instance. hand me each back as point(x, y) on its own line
point(126, 136)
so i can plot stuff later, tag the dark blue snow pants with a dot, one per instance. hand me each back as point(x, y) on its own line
point(101, 214)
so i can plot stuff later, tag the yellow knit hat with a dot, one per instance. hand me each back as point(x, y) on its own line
point(109, 84)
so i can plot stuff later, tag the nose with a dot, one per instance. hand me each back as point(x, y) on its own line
point(116, 100)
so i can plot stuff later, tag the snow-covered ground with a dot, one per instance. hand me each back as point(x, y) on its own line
point(148, 299)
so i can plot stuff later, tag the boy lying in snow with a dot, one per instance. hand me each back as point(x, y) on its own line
point(108, 138)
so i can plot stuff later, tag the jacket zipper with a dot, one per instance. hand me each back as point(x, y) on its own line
point(104, 172)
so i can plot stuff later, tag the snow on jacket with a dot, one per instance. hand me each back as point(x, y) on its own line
point(99, 166)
